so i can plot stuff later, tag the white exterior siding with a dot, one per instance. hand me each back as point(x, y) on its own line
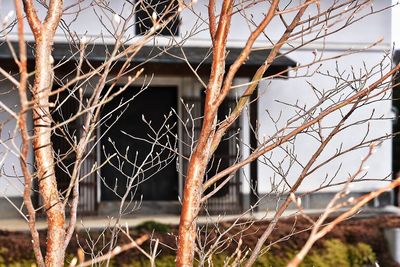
point(10, 144)
point(297, 89)
point(87, 22)
point(357, 36)
point(378, 26)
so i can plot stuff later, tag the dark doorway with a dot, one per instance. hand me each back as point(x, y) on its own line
point(228, 199)
point(67, 106)
point(156, 182)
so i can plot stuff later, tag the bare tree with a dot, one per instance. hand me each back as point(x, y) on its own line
point(44, 91)
point(220, 84)
point(37, 99)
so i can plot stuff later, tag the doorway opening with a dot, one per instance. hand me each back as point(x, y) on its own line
point(145, 169)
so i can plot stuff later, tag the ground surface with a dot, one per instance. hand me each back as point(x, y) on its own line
point(369, 230)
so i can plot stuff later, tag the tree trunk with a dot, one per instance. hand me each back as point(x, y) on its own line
point(198, 162)
point(44, 36)
point(44, 154)
point(191, 206)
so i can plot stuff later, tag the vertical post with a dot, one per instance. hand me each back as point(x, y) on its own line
point(396, 129)
point(253, 145)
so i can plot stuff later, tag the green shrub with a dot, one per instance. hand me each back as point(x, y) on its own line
point(166, 261)
point(150, 226)
point(162, 261)
point(11, 262)
point(361, 254)
point(335, 253)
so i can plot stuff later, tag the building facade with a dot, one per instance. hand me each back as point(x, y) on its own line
point(174, 85)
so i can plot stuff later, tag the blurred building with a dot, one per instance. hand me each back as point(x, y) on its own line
point(174, 80)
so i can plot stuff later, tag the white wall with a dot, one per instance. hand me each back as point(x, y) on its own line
point(10, 183)
point(396, 23)
point(356, 34)
point(297, 90)
point(87, 22)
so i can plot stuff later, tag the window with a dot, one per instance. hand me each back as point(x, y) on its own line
point(164, 10)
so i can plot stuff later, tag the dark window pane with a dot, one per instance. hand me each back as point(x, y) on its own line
point(165, 9)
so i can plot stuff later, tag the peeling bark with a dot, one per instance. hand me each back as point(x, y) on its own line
point(202, 153)
point(41, 141)
point(44, 155)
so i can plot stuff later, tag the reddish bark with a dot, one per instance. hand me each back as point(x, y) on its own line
point(22, 123)
point(198, 162)
point(55, 213)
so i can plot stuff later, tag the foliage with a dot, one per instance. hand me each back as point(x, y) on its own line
point(13, 262)
point(360, 254)
point(337, 253)
point(333, 253)
point(25, 262)
point(150, 226)
point(354, 243)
